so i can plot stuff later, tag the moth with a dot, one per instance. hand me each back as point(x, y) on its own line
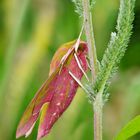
point(67, 67)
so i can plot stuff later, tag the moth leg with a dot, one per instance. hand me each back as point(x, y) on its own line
point(78, 40)
point(89, 65)
point(75, 47)
point(80, 67)
point(87, 58)
point(78, 81)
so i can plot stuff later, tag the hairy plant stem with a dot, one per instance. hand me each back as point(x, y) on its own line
point(90, 38)
point(98, 104)
point(98, 107)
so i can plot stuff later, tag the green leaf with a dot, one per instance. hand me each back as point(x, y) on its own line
point(132, 128)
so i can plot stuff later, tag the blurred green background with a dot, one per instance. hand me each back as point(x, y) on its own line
point(30, 33)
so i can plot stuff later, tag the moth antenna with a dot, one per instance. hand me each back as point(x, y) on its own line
point(76, 45)
point(66, 56)
point(80, 67)
point(78, 81)
point(64, 59)
point(60, 69)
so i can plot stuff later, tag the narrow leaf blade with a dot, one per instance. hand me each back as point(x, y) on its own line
point(132, 128)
